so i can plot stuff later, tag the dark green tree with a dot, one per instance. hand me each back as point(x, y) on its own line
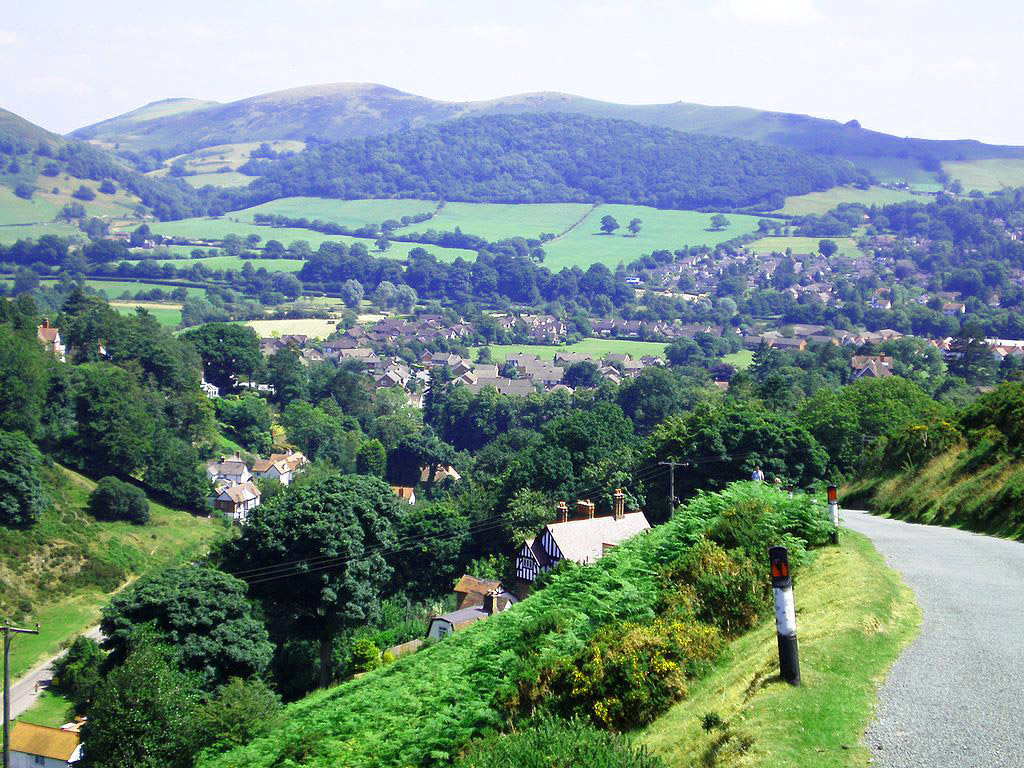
point(336, 529)
point(201, 613)
point(372, 459)
point(23, 380)
point(241, 711)
point(22, 499)
point(719, 222)
point(114, 426)
point(76, 674)
point(434, 537)
point(582, 374)
point(287, 375)
point(634, 227)
point(650, 398)
point(113, 499)
point(970, 357)
point(226, 350)
point(608, 224)
point(827, 248)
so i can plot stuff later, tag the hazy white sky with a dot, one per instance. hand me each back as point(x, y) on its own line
point(929, 68)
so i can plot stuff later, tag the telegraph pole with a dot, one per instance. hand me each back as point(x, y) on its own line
point(8, 630)
point(671, 482)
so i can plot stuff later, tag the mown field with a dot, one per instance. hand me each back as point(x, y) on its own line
point(497, 221)
point(169, 316)
point(597, 348)
point(346, 213)
point(585, 244)
point(802, 245)
point(226, 179)
point(313, 327)
point(741, 359)
point(987, 175)
point(823, 202)
point(61, 572)
point(232, 262)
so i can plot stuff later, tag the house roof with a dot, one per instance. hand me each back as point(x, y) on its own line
point(402, 491)
point(264, 465)
point(40, 740)
point(471, 584)
point(47, 333)
point(462, 616)
point(583, 541)
point(242, 493)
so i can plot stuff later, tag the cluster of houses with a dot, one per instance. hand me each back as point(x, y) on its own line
point(235, 493)
point(800, 336)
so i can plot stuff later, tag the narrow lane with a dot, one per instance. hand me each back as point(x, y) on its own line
point(26, 690)
point(956, 695)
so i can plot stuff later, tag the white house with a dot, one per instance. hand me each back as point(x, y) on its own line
point(277, 469)
point(230, 469)
point(33, 746)
point(50, 337)
point(236, 500)
point(583, 541)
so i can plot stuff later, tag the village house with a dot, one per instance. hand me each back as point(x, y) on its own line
point(584, 540)
point(871, 366)
point(50, 337)
point(33, 746)
point(236, 501)
point(404, 493)
point(495, 600)
point(231, 470)
point(441, 474)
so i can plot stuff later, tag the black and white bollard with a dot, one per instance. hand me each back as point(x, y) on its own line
point(785, 615)
point(833, 512)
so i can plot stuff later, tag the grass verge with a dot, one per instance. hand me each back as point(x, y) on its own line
point(50, 709)
point(854, 616)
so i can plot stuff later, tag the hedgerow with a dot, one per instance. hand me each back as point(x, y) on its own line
point(424, 708)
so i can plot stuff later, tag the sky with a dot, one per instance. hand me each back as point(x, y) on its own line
point(925, 68)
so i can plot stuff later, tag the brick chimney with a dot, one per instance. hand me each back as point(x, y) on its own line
point(46, 322)
point(618, 504)
point(563, 512)
point(491, 602)
point(590, 509)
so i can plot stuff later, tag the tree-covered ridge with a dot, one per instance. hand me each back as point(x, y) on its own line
point(551, 158)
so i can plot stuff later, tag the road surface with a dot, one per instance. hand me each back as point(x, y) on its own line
point(956, 695)
point(26, 690)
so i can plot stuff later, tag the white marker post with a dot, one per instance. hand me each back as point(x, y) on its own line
point(785, 615)
point(833, 511)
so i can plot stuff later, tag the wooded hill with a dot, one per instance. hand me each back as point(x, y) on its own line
point(549, 158)
point(351, 110)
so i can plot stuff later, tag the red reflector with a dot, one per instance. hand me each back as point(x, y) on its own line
point(832, 493)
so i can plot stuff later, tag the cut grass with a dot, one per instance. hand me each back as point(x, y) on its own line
point(988, 175)
point(585, 244)
point(823, 202)
point(597, 348)
point(740, 360)
point(167, 316)
point(802, 245)
point(497, 221)
point(347, 213)
point(313, 327)
point(854, 616)
point(50, 710)
point(221, 179)
point(232, 262)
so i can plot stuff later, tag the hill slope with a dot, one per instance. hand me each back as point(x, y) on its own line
point(350, 110)
point(550, 158)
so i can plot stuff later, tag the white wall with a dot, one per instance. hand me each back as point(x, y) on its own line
point(21, 760)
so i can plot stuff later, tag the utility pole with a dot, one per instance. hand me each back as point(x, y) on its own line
point(8, 630)
point(671, 482)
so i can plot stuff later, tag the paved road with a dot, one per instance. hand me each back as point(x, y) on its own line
point(26, 690)
point(956, 695)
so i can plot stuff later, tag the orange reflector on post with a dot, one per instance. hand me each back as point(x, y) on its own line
point(832, 495)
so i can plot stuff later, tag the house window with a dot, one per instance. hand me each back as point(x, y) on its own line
point(38, 759)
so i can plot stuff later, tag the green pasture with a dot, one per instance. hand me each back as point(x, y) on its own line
point(168, 316)
point(802, 245)
point(896, 169)
point(313, 327)
point(497, 221)
point(988, 175)
point(217, 228)
point(232, 262)
point(823, 202)
point(596, 348)
point(14, 232)
point(585, 244)
point(740, 360)
point(15, 210)
point(215, 179)
point(346, 213)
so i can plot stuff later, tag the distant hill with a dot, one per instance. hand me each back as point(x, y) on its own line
point(33, 160)
point(353, 110)
point(550, 158)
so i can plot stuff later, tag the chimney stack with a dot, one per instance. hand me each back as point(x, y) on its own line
point(590, 509)
point(618, 504)
point(491, 602)
point(581, 508)
point(46, 322)
point(563, 512)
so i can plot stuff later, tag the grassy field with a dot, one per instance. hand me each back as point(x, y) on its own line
point(586, 244)
point(987, 175)
point(225, 179)
point(822, 202)
point(801, 245)
point(895, 170)
point(66, 550)
point(854, 616)
point(50, 709)
point(740, 360)
point(313, 327)
point(209, 159)
point(169, 316)
point(214, 229)
point(496, 221)
point(12, 233)
point(347, 213)
point(597, 348)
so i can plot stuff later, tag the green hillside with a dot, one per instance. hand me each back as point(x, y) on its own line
point(349, 110)
point(62, 570)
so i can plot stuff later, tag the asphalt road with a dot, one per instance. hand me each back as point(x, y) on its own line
point(26, 690)
point(956, 695)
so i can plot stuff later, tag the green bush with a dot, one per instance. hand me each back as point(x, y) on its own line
point(914, 445)
point(113, 499)
point(77, 673)
point(556, 743)
point(728, 591)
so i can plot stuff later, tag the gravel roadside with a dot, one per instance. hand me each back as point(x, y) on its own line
point(956, 695)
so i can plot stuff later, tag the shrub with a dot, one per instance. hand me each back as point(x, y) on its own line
point(113, 499)
point(21, 492)
point(365, 655)
point(917, 444)
point(556, 743)
point(83, 193)
point(728, 590)
point(77, 673)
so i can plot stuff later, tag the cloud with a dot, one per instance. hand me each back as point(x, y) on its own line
point(788, 13)
point(7, 37)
